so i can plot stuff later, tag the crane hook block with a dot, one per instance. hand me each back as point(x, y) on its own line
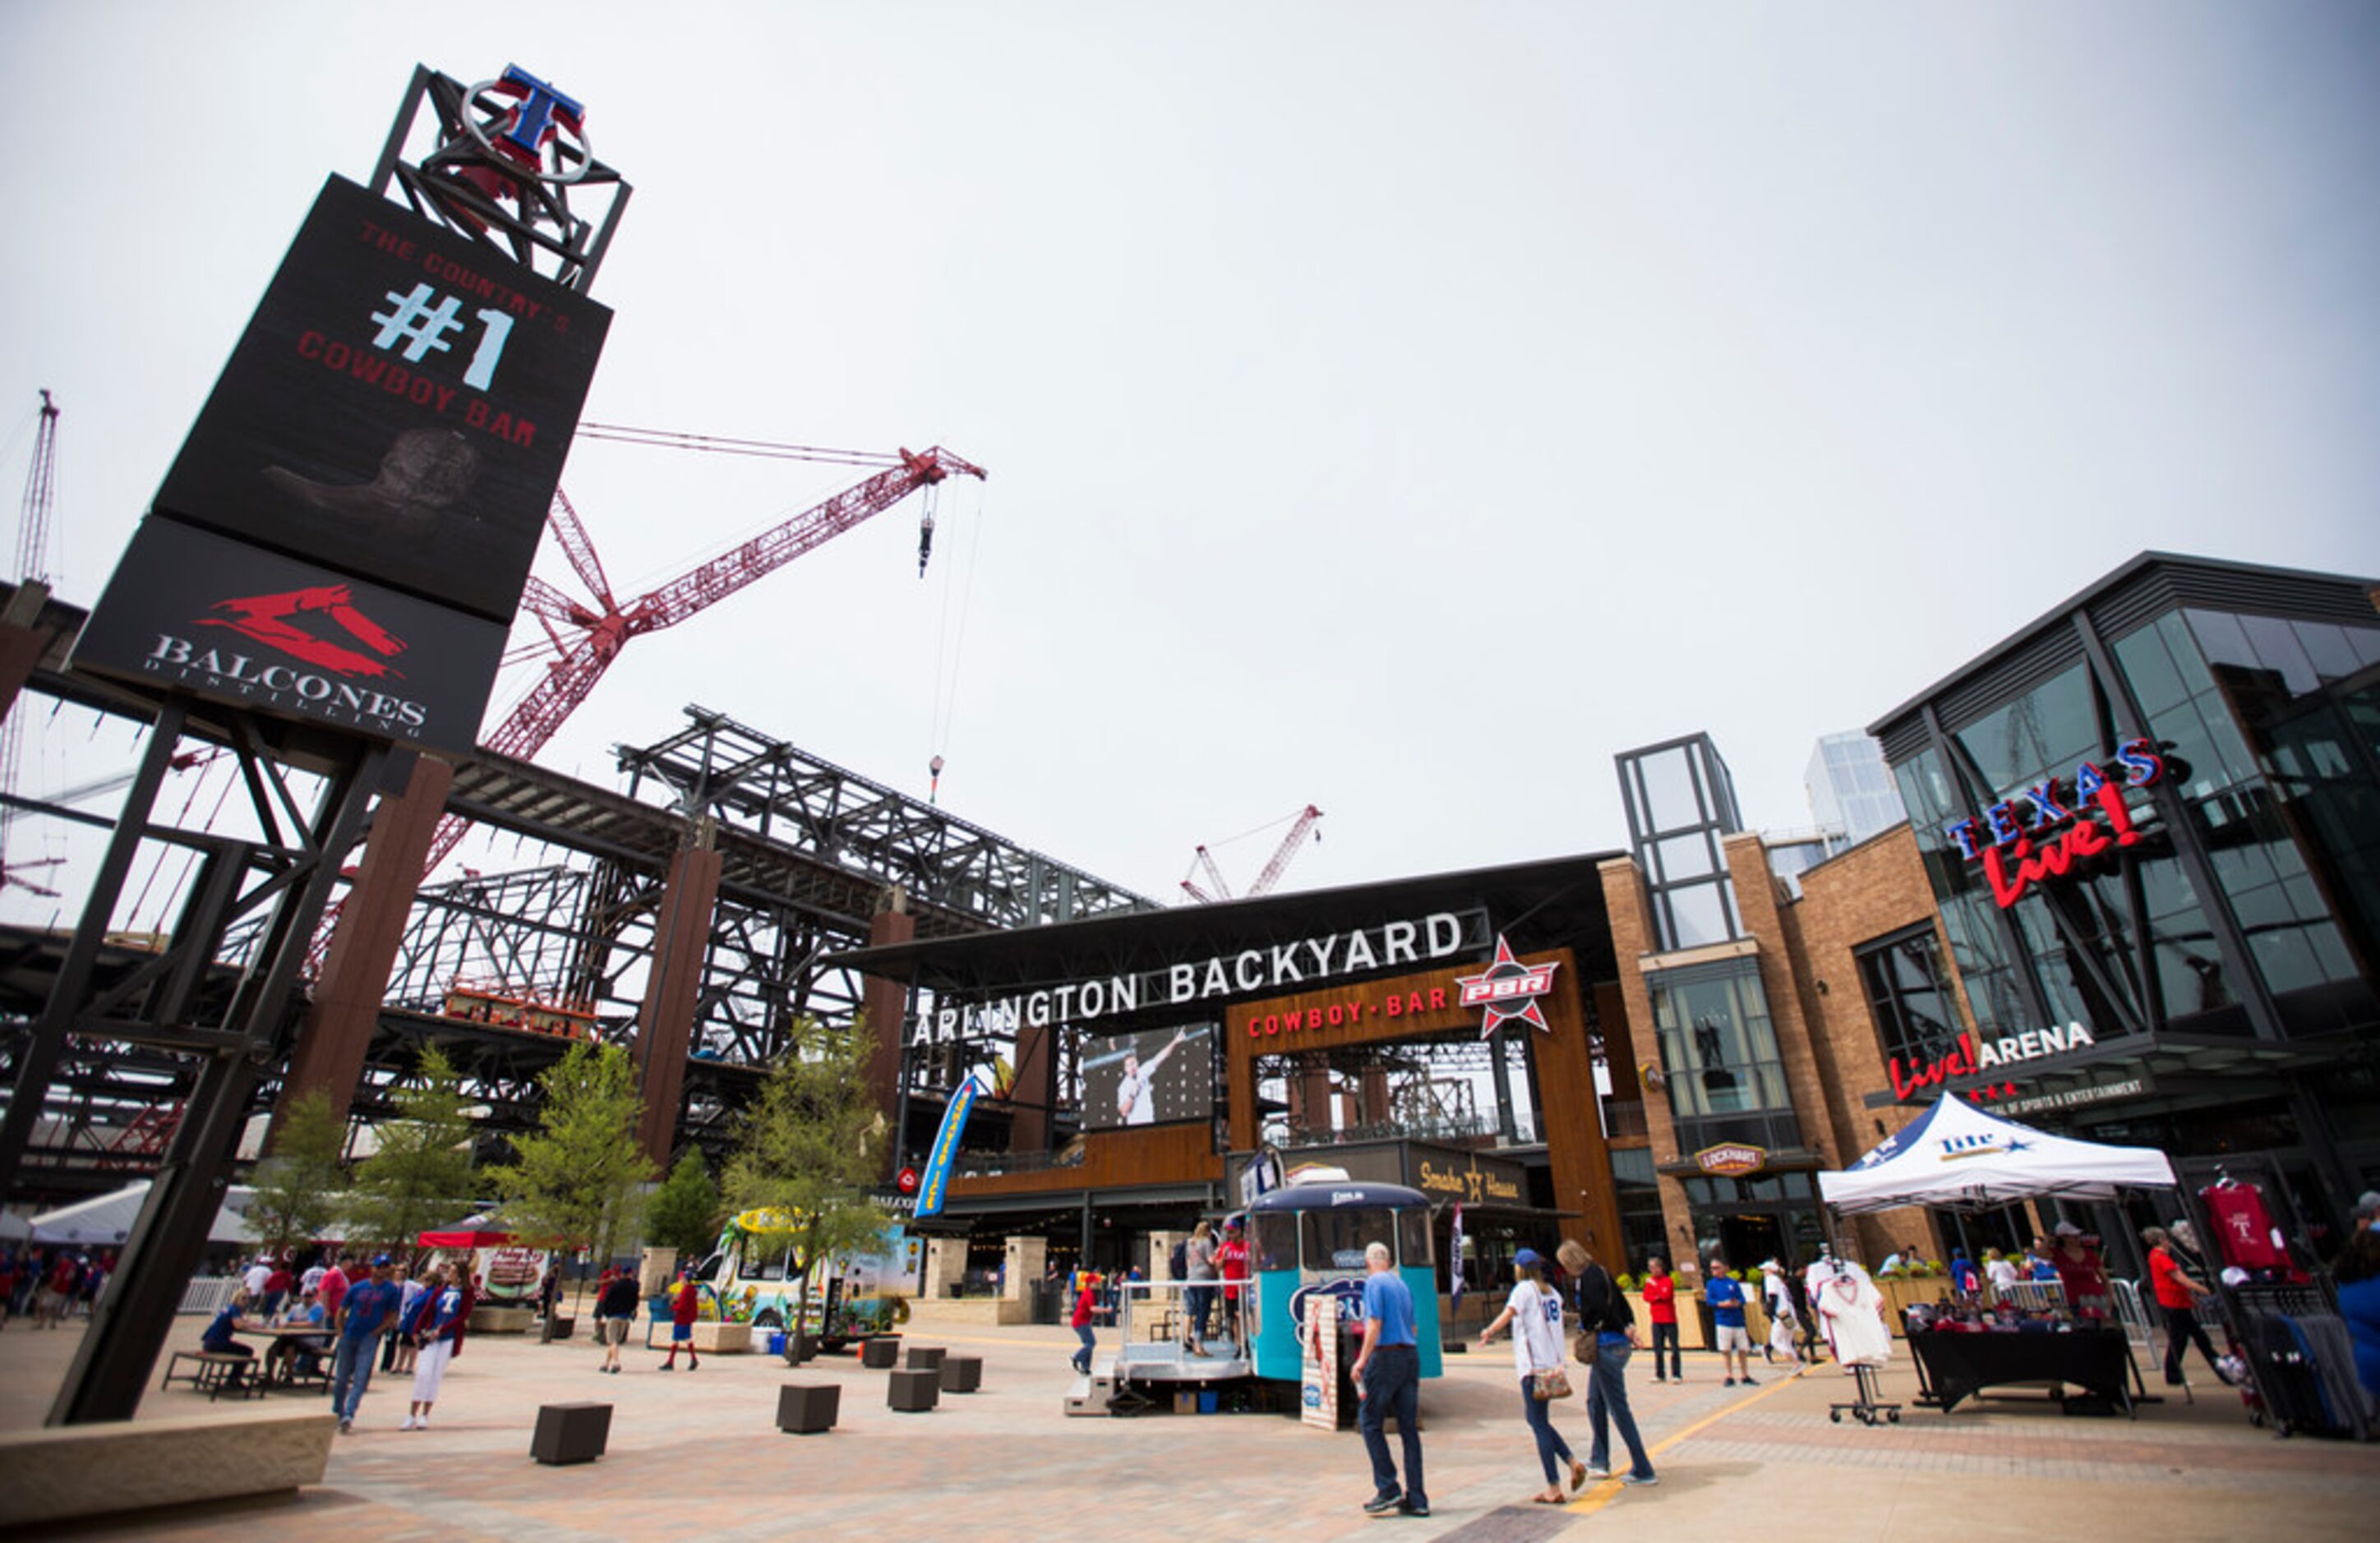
point(925, 543)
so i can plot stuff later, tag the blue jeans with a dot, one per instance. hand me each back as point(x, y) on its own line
point(1091, 1342)
point(1200, 1304)
point(1392, 1386)
point(351, 1374)
point(1552, 1451)
point(1606, 1404)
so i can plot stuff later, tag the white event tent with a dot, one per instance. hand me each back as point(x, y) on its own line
point(1959, 1156)
point(106, 1220)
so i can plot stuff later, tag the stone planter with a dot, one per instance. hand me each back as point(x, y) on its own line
point(502, 1320)
point(723, 1339)
point(556, 1327)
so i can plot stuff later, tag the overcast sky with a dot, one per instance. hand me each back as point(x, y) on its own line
point(1397, 407)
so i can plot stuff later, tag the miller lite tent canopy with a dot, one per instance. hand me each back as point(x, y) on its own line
point(1957, 1156)
point(106, 1220)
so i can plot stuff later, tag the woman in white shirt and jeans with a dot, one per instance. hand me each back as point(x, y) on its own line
point(1535, 1312)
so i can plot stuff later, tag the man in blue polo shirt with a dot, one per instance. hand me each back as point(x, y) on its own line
point(369, 1306)
point(1388, 1381)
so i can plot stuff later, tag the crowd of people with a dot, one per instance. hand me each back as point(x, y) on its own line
point(51, 1284)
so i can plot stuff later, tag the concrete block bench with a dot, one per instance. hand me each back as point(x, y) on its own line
point(59, 1473)
point(571, 1432)
point(502, 1320)
point(806, 1408)
point(962, 1374)
point(881, 1352)
point(925, 1357)
point(913, 1392)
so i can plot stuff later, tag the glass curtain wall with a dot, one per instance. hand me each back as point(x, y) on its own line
point(1719, 1057)
point(2270, 732)
point(1681, 800)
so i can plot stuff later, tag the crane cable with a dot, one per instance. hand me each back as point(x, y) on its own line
point(950, 653)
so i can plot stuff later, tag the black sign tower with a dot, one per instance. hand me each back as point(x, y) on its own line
point(322, 586)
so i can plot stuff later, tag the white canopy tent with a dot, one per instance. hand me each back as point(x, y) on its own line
point(106, 1221)
point(1959, 1156)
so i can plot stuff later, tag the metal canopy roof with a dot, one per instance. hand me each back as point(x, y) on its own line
point(1554, 903)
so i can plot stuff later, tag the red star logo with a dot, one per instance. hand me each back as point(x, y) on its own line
point(1508, 988)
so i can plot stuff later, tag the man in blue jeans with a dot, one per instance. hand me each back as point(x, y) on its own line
point(1603, 1311)
point(369, 1306)
point(1388, 1381)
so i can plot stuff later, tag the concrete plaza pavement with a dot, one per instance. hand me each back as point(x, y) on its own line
point(698, 1452)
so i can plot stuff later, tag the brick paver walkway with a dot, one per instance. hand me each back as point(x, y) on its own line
point(699, 1453)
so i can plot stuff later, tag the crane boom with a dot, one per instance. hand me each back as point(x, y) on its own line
point(571, 536)
point(1288, 844)
point(772, 550)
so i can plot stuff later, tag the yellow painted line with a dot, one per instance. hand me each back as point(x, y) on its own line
point(1602, 1494)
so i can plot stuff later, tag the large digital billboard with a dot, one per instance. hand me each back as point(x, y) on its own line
point(1153, 1078)
point(398, 408)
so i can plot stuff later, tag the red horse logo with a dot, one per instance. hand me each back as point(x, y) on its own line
point(273, 621)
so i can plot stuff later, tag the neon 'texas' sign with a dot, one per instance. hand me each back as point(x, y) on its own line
point(2015, 860)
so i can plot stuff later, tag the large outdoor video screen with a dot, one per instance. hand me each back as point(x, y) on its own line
point(1156, 1077)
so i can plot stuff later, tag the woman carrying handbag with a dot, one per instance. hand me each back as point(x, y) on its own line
point(1535, 1313)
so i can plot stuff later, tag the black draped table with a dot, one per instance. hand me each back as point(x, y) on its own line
point(1952, 1367)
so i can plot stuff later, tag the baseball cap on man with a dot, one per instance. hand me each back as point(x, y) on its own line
point(2367, 1206)
point(2066, 1229)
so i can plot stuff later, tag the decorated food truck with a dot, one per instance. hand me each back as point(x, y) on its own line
point(757, 1275)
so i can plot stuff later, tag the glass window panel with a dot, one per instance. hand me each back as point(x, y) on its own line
point(1669, 790)
point(2222, 639)
point(1336, 1239)
point(2328, 646)
point(2150, 669)
point(1686, 857)
point(2366, 643)
point(1698, 916)
point(2277, 647)
point(2285, 960)
point(1412, 1238)
point(2331, 957)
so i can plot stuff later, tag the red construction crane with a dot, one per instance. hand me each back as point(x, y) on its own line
point(1204, 862)
point(32, 567)
point(603, 627)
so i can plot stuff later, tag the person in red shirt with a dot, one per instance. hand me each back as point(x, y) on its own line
point(685, 1304)
point(58, 1289)
point(1661, 1307)
point(276, 1290)
point(2080, 1272)
point(332, 1290)
point(1232, 1261)
point(2178, 1292)
point(1086, 1304)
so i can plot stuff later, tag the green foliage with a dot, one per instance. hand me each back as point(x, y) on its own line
point(683, 1214)
point(576, 1183)
point(1625, 1281)
point(812, 1145)
point(298, 1187)
point(419, 1176)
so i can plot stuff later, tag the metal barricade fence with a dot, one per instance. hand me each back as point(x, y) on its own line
point(2139, 1324)
point(207, 1294)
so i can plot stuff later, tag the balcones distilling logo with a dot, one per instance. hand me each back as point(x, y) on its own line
point(333, 643)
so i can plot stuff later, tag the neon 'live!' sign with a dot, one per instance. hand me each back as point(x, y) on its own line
point(2054, 838)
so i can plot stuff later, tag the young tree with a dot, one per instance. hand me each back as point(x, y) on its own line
point(298, 1196)
point(577, 1181)
point(683, 1213)
point(420, 1174)
point(812, 1145)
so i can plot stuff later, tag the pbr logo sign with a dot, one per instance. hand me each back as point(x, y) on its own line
point(398, 408)
point(197, 613)
point(1507, 990)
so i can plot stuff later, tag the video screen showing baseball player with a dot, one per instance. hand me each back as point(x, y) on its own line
point(1156, 1077)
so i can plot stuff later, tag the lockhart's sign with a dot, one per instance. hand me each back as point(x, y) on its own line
point(2058, 831)
point(1731, 1159)
point(1248, 972)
